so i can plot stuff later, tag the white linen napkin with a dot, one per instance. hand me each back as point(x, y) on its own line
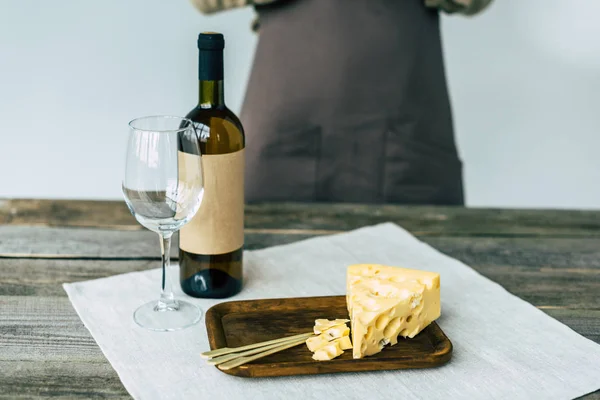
point(504, 348)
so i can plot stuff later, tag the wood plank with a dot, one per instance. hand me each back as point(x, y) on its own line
point(59, 380)
point(287, 217)
point(54, 242)
point(50, 242)
point(557, 289)
point(551, 286)
point(83, 213)
point(33, 277)
point(44, 328)
point(427, 220)
point(557, 252)
point(547, 272)
point(45, 350)
point(584, 322)
point(558, 272)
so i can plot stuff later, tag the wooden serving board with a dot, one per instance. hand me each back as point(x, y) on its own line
point(239, 323)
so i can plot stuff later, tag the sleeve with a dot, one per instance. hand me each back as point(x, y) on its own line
point(465, 7)
point(213, 6)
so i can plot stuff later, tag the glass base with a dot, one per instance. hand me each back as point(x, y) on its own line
point(179, 315)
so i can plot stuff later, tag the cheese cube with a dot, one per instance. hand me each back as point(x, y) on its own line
point(344, 343)
point(337, 332)
point(316, 342)
point(328, 352)
point(322, 325)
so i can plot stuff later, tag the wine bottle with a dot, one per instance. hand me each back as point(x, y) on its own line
point(211, 245)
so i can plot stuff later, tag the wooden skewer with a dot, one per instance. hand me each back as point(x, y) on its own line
point(227, 350)
point(233, 356)
point(243, 360)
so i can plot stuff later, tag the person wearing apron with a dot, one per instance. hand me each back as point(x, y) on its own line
point(347, 101)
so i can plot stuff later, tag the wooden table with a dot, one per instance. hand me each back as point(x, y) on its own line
point(549, 258)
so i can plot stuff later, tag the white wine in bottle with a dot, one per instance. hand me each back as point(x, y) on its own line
point(211, 245)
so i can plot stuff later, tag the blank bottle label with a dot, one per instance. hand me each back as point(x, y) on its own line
point(218, 226)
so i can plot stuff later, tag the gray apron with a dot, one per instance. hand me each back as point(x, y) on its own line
point(347, 102)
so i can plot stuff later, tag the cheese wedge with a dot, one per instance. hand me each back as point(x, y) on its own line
point(386, 302)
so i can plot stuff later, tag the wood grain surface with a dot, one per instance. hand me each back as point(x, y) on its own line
point(547, 257)
point(239, 323)
point(286, 218)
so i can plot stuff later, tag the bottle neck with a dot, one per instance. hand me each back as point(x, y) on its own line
point(210, 75)
point(210, 94)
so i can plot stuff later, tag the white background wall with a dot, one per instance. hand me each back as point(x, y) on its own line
point(524, 79)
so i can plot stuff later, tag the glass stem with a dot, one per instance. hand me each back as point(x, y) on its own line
point(167, 301)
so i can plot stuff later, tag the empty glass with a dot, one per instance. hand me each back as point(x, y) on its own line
point(163, 188)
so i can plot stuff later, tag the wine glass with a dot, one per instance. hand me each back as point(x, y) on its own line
point(163, 188)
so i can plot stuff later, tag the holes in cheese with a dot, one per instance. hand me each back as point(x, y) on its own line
point(391, 328)
point(363, 347)
point(382, 322)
